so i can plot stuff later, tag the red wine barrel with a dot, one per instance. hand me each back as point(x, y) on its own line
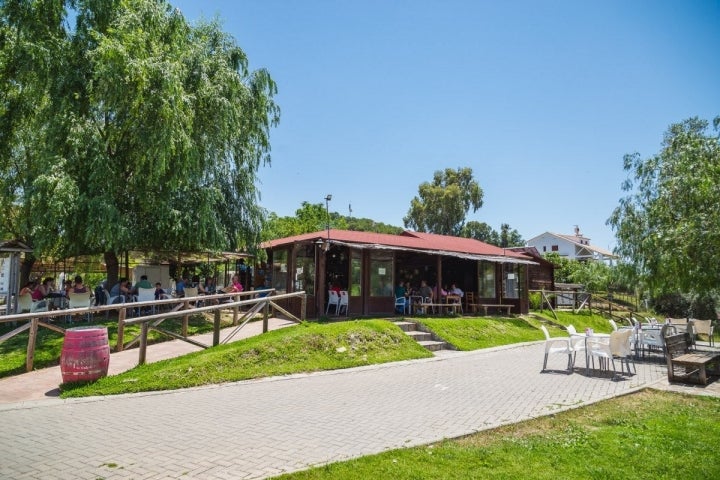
point(85, 355)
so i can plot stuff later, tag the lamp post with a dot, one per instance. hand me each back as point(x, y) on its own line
point(327, 213)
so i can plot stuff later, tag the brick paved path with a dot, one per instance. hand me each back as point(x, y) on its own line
point(257, 429)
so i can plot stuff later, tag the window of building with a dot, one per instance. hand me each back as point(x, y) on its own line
point(381, 271)
point(554, 248)
point(279, 271)
point(544, 248)
point(356, 273)
point(305, 270)
point(486, 280)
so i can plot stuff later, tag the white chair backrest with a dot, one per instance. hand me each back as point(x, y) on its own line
point(343, 297)
point(702, 326)
point(25, 303)
point(571, 329)
point(191, 292)
point(613, 325)
point(620, 343)
point(545, 331)
point(78, 300)
point(333, 297)
point(145, 294)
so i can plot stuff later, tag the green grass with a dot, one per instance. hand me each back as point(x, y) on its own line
point(473, 333)
point(49, 343)
point(648, 435)
point(580, 320)
point(307, 347)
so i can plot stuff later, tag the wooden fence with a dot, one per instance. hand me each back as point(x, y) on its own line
point(257, 301)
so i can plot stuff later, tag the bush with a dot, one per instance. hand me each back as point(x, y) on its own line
point(535, 300)
point(673, 305)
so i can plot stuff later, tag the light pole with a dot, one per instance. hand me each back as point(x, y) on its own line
point(327, 213)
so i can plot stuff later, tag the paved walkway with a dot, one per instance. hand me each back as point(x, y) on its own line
point(261, 428)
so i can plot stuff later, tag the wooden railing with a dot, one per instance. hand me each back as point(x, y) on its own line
point(177, 306)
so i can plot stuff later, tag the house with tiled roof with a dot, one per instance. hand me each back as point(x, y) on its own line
point(574, 247)
point(368, 265)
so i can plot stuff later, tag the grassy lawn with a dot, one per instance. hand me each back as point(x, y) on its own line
point(49, 343)
point(308, 347)
point(648, 435)
point(580, 320)
point(473, 333)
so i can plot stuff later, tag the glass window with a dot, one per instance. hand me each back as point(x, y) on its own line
point(356, 273)
point(511, 278)
point(305, 270)
point(381, 270)
point(486, 280)
point(279, 271)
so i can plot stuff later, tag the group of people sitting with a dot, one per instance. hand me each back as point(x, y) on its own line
point(46, 290)
point(425, 293)
point(124, 288)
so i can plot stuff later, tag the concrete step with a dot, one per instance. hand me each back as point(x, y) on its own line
point(419, 336)
point(433, 345)
point(406, 326)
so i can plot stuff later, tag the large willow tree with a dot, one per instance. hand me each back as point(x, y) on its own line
point(152, 135)
point(668, 224)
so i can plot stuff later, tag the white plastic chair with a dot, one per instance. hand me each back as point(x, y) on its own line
point(557, 345)
point(621, 347)
point(146, 295)
point(344, 302)
point(613, 325)
point(599, 347)
point(333, 301)
point(705, 327)
point(401, 304)
point(27, 304)
point(577, 342)
point(80, 300)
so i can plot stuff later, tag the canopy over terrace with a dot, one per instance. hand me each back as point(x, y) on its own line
point(369, 264)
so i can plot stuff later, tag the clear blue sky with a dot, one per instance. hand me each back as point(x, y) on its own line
point(540, 98)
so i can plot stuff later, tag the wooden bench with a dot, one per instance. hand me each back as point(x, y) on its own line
point(454, 306)
point(499, 306)
point(688, 366)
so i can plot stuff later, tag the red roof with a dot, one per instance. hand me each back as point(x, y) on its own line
point(407, 240)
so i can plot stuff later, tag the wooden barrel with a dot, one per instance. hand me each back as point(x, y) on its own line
point(85, 355)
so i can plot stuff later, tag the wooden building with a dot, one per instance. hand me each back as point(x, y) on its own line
point(369, 265)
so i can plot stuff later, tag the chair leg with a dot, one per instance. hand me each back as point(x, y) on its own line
point(545, 362)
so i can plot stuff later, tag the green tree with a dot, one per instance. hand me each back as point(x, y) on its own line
point(668, 224)
point(507, 237)
point(152, 138)
point(442, 205)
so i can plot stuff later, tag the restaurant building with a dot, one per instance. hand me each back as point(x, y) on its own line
point(369, 265)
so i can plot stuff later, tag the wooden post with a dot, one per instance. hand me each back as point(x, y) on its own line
point(32, 337)
point(303, 307)
point(185, 320)
point(121, 331)
point(266, 309)
point(216, 328)
point(144, 327)
point(236, 310)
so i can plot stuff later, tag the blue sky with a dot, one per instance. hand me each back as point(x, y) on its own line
point(541, 99)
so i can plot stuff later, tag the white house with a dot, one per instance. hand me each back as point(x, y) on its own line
point(575, 247)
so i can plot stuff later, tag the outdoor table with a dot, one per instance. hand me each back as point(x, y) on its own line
point(585, 336)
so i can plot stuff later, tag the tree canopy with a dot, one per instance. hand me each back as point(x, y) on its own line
point(506, 237)
point(668, 224)
point(147, 132)
point(443, 204)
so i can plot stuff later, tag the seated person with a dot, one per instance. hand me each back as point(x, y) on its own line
point(180, 287)
point(79, 287)
point(67, 287)
point(210, 287)
point(159, 292)
point(454, 290)
point(143, 283)
point(28, 288)
point(235, 286)
point(335, 288)
point(439, 294)
point(400, 290)
point(425, 290)
point(122, 289)
point(196, 284)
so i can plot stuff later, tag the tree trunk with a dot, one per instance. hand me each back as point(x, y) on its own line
point(26, 268)
point(112, 265)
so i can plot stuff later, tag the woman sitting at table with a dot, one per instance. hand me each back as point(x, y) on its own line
point(79, 287)
point(235, 286)
point(210, 287)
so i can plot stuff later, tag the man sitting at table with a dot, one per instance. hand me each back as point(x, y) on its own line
point(454, 290)
point(425, 290)
point(143, 283)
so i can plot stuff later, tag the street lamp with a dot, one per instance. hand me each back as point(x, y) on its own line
point(327, 213)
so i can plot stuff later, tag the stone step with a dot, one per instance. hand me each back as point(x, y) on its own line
point(406, 326)
point(419, 336)
point(433, 345)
